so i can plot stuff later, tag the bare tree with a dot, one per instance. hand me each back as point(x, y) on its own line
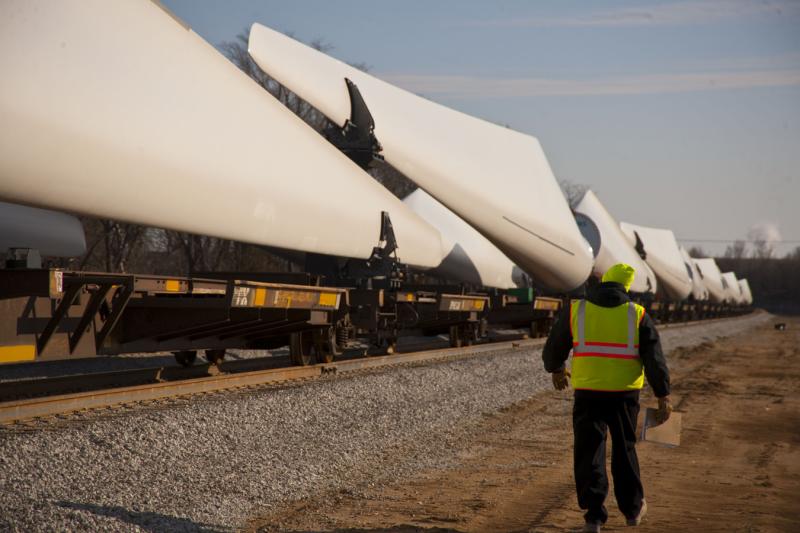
point(573, 192)
point(762, 249)
point(764, 236)
point(200, 253)
point(391, 178)
point(236, 51)
point(697, 252)
point(736, 250)
point(111, 245)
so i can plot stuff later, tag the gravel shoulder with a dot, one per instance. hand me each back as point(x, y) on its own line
point(737, 469)
point(227, 461)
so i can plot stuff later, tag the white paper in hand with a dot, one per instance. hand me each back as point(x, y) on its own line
point(667, 433)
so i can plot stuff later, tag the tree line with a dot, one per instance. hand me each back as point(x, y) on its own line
point(774, 281)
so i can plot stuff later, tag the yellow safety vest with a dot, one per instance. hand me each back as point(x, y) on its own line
point(605, 348)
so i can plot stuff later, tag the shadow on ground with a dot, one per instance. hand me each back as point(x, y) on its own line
point(155, 522)
point(402, 528)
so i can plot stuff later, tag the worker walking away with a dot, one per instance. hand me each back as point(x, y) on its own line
point(615, 345)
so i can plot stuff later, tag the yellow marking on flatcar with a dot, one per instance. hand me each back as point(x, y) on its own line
point(260, 297)
point(328, 299)
point(13, 354)
point(478, 305)
point(547, 305)
point(56, 283)
point(172, 285)
point(300, 299)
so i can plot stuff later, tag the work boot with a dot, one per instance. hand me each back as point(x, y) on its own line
point(636, 520)
point(591, 527)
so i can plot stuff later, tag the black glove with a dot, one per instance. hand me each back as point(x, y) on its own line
point(664, 409)
point(561, 379)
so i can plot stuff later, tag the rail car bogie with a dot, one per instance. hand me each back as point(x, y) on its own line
point(56, 314)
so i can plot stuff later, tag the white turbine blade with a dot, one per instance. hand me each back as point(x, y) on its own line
point(664, 257)
point(699, 289)
point(733, 293)
point(712, 278)
point(496, 179)
point(747, 296)
point(114, 109)
point(614, 247)
point(471, 257)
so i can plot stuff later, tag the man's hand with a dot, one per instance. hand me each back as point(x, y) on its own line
point(664, 409)
point(561, 379)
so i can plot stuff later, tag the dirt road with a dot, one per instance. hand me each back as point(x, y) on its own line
point(738, 468)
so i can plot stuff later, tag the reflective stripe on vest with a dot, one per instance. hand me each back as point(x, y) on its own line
point(602, 362)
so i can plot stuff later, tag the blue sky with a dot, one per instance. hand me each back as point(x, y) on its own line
point(679, 114)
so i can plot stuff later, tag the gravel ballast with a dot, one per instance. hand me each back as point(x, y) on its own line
point(212, 463)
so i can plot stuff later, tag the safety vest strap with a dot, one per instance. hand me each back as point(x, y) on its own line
point(582, 348)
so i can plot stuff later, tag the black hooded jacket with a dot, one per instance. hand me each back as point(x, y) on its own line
point(609, 294)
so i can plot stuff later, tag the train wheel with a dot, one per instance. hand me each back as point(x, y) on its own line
point(469, 333)
point(390, 345)
point(325, 345)
point(475, 331)
point(301, 346)
point(483, 328)
point(185, 357)
point(455, 337)
point(215, 357)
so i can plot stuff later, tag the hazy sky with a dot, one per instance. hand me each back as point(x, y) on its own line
point(679, 114)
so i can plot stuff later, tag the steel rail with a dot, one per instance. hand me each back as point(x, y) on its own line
point(20, 410)
point(30, 388)
point(69, 383)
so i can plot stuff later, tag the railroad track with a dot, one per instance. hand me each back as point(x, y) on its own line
point(30, 388)
point(49, 406)
point(156, 384)
point(67, 383)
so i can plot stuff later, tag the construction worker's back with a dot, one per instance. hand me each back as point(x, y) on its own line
point(615, 346)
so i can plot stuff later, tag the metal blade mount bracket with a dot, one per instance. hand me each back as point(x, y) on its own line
point(356, 139)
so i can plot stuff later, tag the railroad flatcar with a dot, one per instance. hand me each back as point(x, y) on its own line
point(118, 110)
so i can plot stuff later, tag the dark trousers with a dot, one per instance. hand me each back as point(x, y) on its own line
point(593, 416)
